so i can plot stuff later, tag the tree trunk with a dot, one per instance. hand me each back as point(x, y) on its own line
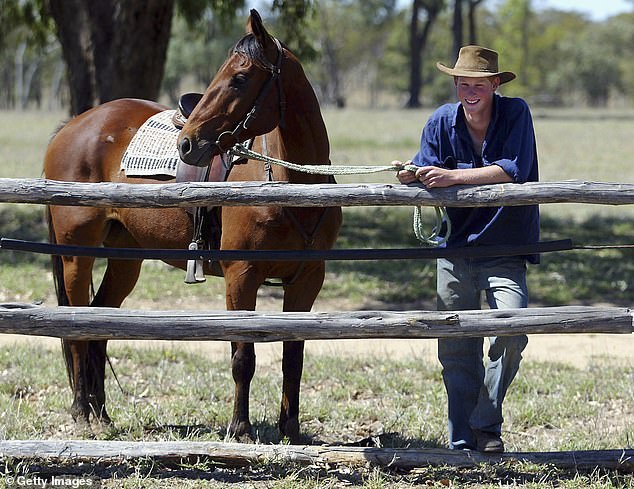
point(130, 46)
point(473, 36)
point(415, 59)
point(113, 48)
point(71, 21)
point(418, 40)
point(456, 28)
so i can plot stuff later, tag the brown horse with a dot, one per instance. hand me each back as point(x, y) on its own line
point(260, 90)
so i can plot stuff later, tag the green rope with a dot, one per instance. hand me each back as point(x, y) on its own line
point(240, 150)
point(433, 239)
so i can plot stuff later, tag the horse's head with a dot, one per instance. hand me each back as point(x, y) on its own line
point(244, 99)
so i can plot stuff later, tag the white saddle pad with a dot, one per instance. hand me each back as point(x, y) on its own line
point(153, 149)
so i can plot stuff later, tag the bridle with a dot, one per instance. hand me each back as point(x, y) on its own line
point(228, 139)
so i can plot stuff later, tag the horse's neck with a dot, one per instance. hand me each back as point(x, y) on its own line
point(303, 139)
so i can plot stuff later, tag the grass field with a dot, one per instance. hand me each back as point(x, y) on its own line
point(171, 394)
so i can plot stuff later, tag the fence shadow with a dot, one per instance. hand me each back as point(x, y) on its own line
point(572, 277)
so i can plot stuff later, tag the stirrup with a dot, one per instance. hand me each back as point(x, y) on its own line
point(195, 272)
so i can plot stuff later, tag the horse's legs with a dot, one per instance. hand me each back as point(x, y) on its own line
point(292, 366)
point(242, 285)
point(77, 279)
point(118, 281)
point(298, 297)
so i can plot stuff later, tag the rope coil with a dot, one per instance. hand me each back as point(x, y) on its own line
point(431, 239)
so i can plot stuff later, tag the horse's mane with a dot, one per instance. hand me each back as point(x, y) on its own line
point(249, 47)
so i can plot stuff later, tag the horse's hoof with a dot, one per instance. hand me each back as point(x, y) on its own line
point(290, 430)
point(242, 432)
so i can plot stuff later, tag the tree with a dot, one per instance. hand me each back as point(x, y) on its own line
point(25, 52)
point(424, 15)
point(606, 51)
point(117, 48)
point(515, 29)
point(196, 50)
point(293, 19)
point(472, 6)
point(351, 36)
point(112, 48)
point(456, 27)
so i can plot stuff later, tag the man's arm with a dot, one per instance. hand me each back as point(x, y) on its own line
point(435, 177)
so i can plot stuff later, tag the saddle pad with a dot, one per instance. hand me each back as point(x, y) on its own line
point(153, 149)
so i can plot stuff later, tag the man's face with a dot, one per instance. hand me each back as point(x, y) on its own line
point(476, 94)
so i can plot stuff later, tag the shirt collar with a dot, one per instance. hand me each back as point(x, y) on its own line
point(459, 114)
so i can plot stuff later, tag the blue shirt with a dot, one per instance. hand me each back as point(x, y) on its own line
point(510, 144)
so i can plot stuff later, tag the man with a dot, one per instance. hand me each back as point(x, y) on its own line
point(484, 138)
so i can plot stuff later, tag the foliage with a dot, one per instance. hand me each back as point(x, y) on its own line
point(292, 22)
point(194, 10)
point(355, 52)
point(28, 53)
point(599, 72)
point(196, 51)
point(29, 16)
point(351, 37)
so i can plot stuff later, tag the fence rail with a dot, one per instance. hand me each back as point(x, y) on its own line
point(93, 323)
point(41, 191)
point(240, 455)
point(111, 323)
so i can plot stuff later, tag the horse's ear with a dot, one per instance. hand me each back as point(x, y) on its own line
point(256, 27)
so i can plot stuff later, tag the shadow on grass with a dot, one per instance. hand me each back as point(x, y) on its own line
point(570, 277)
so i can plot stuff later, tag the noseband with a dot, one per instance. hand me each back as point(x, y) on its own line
point(227, 139)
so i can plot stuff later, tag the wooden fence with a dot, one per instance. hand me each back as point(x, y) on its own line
point(105, 323)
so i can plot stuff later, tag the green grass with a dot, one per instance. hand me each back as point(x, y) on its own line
point(172, 394)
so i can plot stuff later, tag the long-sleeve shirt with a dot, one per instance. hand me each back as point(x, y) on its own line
point(510, 144)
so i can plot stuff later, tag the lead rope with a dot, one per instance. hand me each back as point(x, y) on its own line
point(433, 239)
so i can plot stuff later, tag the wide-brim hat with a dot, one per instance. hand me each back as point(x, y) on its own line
point(477, 62)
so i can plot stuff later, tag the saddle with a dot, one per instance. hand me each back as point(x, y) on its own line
point(186, 104)
point(207, 223)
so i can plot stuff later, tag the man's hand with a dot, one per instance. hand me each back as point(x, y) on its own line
point(404, 176)
point(435, 177)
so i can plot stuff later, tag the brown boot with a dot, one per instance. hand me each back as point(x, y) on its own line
point(489, 442)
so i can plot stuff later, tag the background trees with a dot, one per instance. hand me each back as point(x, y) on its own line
point(76, 53)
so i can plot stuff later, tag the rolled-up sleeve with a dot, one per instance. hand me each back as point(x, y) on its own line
point(517, 153)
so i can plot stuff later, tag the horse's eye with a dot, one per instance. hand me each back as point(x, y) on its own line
point(238, 80)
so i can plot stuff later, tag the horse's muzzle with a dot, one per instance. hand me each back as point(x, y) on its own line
point(196, 152)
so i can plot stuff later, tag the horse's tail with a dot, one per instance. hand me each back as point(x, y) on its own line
point(60, 292)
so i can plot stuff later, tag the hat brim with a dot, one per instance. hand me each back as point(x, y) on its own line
point(505, 76)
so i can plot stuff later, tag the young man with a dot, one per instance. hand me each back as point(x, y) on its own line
point(484, 138)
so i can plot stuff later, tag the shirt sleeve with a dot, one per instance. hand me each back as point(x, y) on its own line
point(429, 152)
point(518, 151)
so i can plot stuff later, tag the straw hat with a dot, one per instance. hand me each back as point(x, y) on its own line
point(477, 62)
